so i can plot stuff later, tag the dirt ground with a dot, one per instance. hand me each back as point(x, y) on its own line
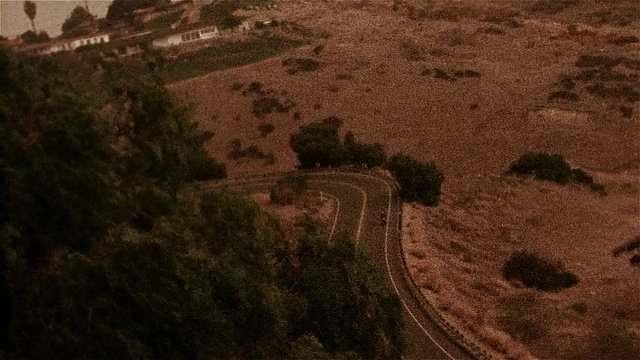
point(383, 72)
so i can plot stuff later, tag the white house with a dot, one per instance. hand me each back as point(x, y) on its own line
point(91, 40)
point(186, 37)
point(66, 44)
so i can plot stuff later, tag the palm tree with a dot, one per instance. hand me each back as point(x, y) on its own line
point(30, 10)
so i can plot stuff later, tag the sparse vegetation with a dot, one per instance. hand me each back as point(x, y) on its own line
point(418, 181)
point(451, 75)
point(265, 128)
point(295, 65)
point(625, 39)
point(551, 6)
point(288, 188)
point(564, 94)
point(265, 105)
point(225, 54)
point(630, 247)
point(492, 30)
point(533, 271)
point(236, 152)
point(522, 326)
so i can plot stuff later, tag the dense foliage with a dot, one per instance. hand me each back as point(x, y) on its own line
point(220, 13)
point(123, 9)
point(534, 271)
point(31, 37)
point(107, 251)
point(418, 181)
point(552, 167)
point(78, 16)
point(367, 322)
point(319, 144)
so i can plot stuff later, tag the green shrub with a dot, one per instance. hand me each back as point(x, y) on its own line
point(563, 94)
point(625, 39)
point(551, 6)
point(543, 166)
point(522, 326)
point(368, 154)
point(580, 176)
point(418, 181)
point(295, 65)
point(317, 144)
point(265, 129)
point(536, 272)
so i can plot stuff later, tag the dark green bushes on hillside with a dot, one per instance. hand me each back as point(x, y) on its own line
point(543, 166)
point(418, 181)
point(319, 144)
point(536, 272)
point(552, 167)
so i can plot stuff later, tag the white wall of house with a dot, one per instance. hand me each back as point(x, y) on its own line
point(98, 39)
point(186, 37)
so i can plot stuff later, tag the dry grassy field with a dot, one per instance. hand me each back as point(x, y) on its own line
point(471, 85)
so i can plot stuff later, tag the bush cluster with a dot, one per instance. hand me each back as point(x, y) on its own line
point(536, 272)
point(418, 181)
point(552, 167)
point(319, 144)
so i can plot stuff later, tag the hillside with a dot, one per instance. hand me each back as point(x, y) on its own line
point(471, 85)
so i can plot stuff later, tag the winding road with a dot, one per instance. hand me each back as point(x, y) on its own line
point(360, 198)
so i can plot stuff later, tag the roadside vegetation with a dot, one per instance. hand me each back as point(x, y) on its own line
point(108, 250)
point(318, 144)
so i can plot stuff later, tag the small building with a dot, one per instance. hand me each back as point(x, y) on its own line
point(186, 37)
point(90, 40)
point(58, 45)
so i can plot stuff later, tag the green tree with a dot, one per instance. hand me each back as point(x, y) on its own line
point(123, 9)
point(543, 166)
point(30, 37)
point(418, 181)
point(30, 10)
point(78, 15)
point(342, 299)
point(317, 143)
point(357, 153)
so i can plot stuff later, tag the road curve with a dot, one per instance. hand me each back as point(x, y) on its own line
point(362, 197)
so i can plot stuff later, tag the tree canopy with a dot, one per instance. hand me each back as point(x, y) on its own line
point(30, 9)
point(319, 144)
point(78, 15)
point(418, 181)
point(31, 37)
point(108, 250)
point(123, 9)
